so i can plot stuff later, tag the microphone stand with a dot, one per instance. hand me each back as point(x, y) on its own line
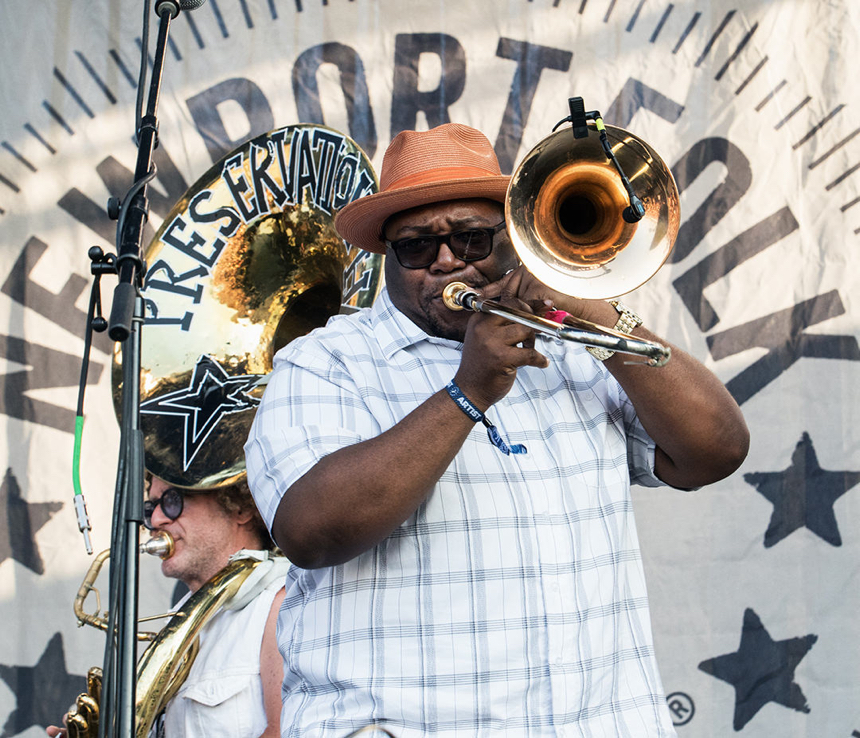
point(117, 711)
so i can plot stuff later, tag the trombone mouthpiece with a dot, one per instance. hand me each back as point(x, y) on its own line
point(161, 545)
point(453, 295)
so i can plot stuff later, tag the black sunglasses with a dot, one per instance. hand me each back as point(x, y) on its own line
point(419, 252)
point(172, 502)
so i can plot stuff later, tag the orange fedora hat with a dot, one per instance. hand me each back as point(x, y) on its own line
point(449, 162)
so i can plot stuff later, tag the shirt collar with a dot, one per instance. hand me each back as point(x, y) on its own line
point(395, 331)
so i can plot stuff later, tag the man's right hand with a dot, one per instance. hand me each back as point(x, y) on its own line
point(493, 349)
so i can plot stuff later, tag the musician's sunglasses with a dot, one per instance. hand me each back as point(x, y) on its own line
point(172, 503)
point(419, 252)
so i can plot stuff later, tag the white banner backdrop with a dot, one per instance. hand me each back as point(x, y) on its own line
point(754, 105)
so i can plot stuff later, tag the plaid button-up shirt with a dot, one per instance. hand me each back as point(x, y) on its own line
point(512, 602)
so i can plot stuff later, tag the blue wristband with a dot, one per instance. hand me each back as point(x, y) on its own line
point(475, 415)
point(463, 402)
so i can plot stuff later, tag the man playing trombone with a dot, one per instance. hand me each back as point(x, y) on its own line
point(454, 490)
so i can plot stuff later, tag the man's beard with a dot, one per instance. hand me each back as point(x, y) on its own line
point(453, 329)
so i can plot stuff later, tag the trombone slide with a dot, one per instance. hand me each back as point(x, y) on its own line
point(458, 296)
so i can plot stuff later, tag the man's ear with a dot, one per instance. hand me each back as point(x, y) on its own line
point(243, 517)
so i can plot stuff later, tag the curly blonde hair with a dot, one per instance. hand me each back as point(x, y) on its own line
point(236, 498)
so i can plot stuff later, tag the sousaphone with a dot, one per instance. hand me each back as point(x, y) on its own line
point(247, 260)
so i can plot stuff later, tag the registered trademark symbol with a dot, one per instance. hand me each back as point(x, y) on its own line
point(682, 708)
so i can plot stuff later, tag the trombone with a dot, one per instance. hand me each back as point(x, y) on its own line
point(593, 212)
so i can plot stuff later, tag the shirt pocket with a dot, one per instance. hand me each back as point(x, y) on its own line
point(228, 706)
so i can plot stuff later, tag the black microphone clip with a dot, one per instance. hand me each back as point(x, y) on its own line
point(578, 118)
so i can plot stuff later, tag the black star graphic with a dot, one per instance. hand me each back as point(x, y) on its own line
point(803, 495)
point(43, 692)
point(761, 670)
point(211, 394)
point(22, 521)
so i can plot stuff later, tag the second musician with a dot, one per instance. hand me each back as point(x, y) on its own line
point(459, 579)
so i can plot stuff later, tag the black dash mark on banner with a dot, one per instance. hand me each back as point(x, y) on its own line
point(788, 117)
point(818, 126)
point(635, 16)
point(220, 18)
point(770, 96)
point(836, 148)
point(114, 54)
point(842, 177)
point(9, 183)
point(12, 150)
point(752, 74)
point(687, 31)
point(175, 49)
point(850, 205)
point(96, 78)
point(73, 92)
point(273, 10)
point(744, 41)
point(714, 38)
point(249, 22)
point(57, 117)
point(609, 11)
point(299, 6)
point(195, 31)
point(661, 23)
point(582, 6)
point(149, 58)
point(38, 136)
point(855, 734)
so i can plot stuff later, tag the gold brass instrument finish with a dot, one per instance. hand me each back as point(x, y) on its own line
point(564, 213)
point(247, 260)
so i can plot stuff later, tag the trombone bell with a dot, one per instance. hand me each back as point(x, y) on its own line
point(564, 212)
